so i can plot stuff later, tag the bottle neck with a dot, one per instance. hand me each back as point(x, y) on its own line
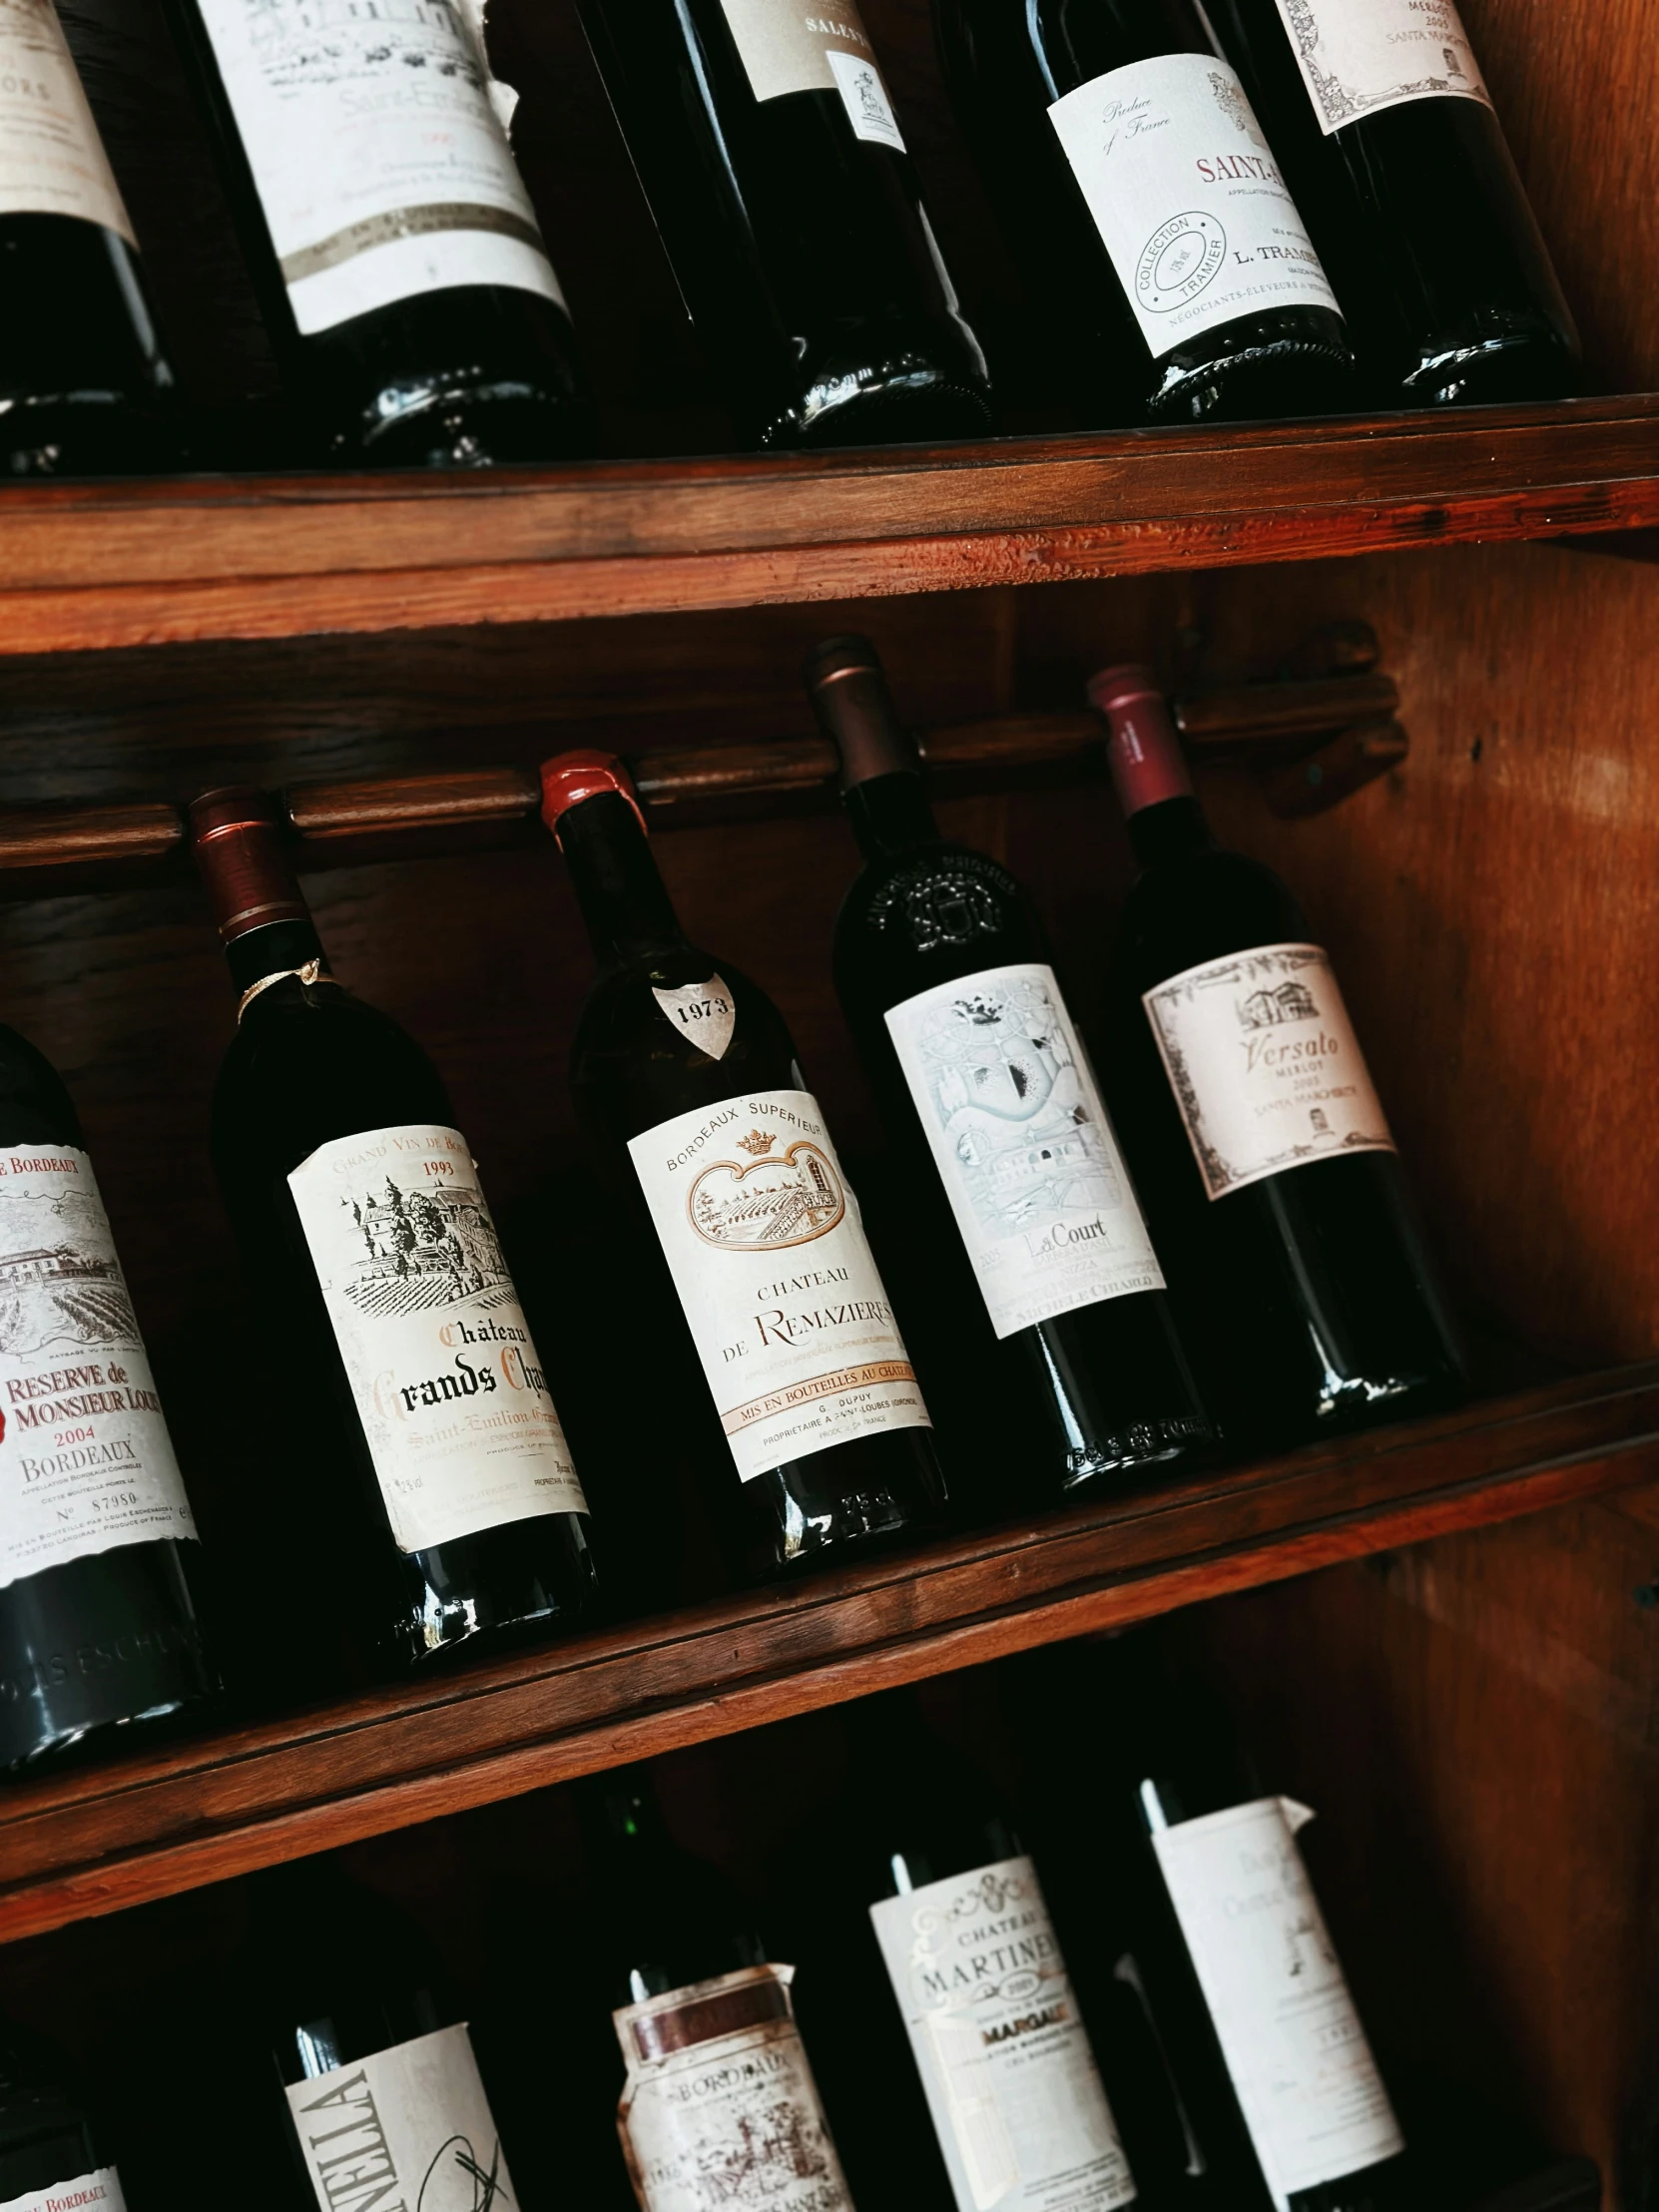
point(264, 921)
point(279, 949)
point(890, 815)
point(624, 900)
point(1172, 830)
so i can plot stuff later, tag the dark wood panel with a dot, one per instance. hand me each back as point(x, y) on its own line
point(207, 558)
point(77, 1846)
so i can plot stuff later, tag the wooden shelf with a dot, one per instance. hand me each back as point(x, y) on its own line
point(92, 1842)
point(196, 559)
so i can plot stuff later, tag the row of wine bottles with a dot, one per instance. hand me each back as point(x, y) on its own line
point(927, 2046)
point(1313, 209)
point(1275, 1288)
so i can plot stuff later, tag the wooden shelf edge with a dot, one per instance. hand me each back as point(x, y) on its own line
point(153, 1825)
point(198, 560)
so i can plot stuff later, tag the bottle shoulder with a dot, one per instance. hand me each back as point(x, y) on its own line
point(310, 1064)
point(664, 1035)
point(1203, 906)
point(35, 1105)
point(936, 914)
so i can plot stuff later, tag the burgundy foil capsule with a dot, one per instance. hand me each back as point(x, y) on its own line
point(1143, 750)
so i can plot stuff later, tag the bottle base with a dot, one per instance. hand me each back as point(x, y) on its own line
point(1116, 1461)
point(1507, 370)
point(1265, 383)
point(470, 426)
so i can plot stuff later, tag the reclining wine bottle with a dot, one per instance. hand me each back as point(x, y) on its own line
point(85, 387)
point(394, 249)
point(1388, 135)
point(51, 2160)
point(385, 2103)
point(717, 2081)
point(941, 967)
point(98, 1628)
point(1139, 188)
point(686, 1067)
point(420, 1431)
point(1270, 1179)
point(1281, 2104)
point(1017, 2103)
point(777, 174)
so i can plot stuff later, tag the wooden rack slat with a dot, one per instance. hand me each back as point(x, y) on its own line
point(81, 1844)
point(1257, 722)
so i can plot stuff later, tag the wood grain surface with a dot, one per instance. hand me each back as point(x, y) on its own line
point(205, 558)
point(82, 1845)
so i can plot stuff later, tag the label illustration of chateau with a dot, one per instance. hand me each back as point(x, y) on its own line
point(324, 41)
point(1015, 1108)
point(777, 1197)
point(60, 1281)
point(412, 1248)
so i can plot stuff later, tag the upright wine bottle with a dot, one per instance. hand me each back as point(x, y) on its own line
point(49, 2159)
point(385, 2104)
point(388, 233)
point(687, 1067)
point(1272, 1183)
point(1282, 2103)
point(1018, 2108)
point(717, 2082)
point(433, 1497)
point(941, 967)
point(778, 174)
point(1390, 141)
point(84, 389)
point(1137, 184)
point(97, 1625)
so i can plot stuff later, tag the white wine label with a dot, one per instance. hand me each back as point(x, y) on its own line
point(1032, 1169)
point(52, 159)
point(449, 1389)
point(380, 163)
point(702, 1011)
point(1187, 197)
point(719, 2112)
point(408, 2127)
point(1265, 1065)
point(1356, 56)
point(1307, 2083)
point(99, 2192)
point(1011, 2082)
point(763, 1240)
point(86, 1463)
point(790, 46)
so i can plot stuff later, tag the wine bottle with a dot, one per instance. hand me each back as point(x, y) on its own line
point(98, 1627)
point(940, 965)
point(49, 2159)
point(85, 387)
point(1272, 1183)
point(1391, 143)
point(1019, 2111)
point(1282, 2102)
point(385, 2104)
point(777, 170)
point(1136, 181)
point(416, 1412)
point(687, 1067)
point(394, 249)
point(718, 2081)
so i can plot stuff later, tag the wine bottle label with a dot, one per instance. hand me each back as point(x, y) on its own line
point(52, 159)
point(99, 2192)
point(380, 163)
point(1356, 56)
point(702, 1011)
point(1032, 1169)
point(1307, 2083)
point(1011, 2082)
point(763, 1240)
point(1265, 1065)
point(790, 46)
point(456, 1411)
point(408, 2127)
point(1187, 197)
point(86, 1463)
point(720, 2106)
